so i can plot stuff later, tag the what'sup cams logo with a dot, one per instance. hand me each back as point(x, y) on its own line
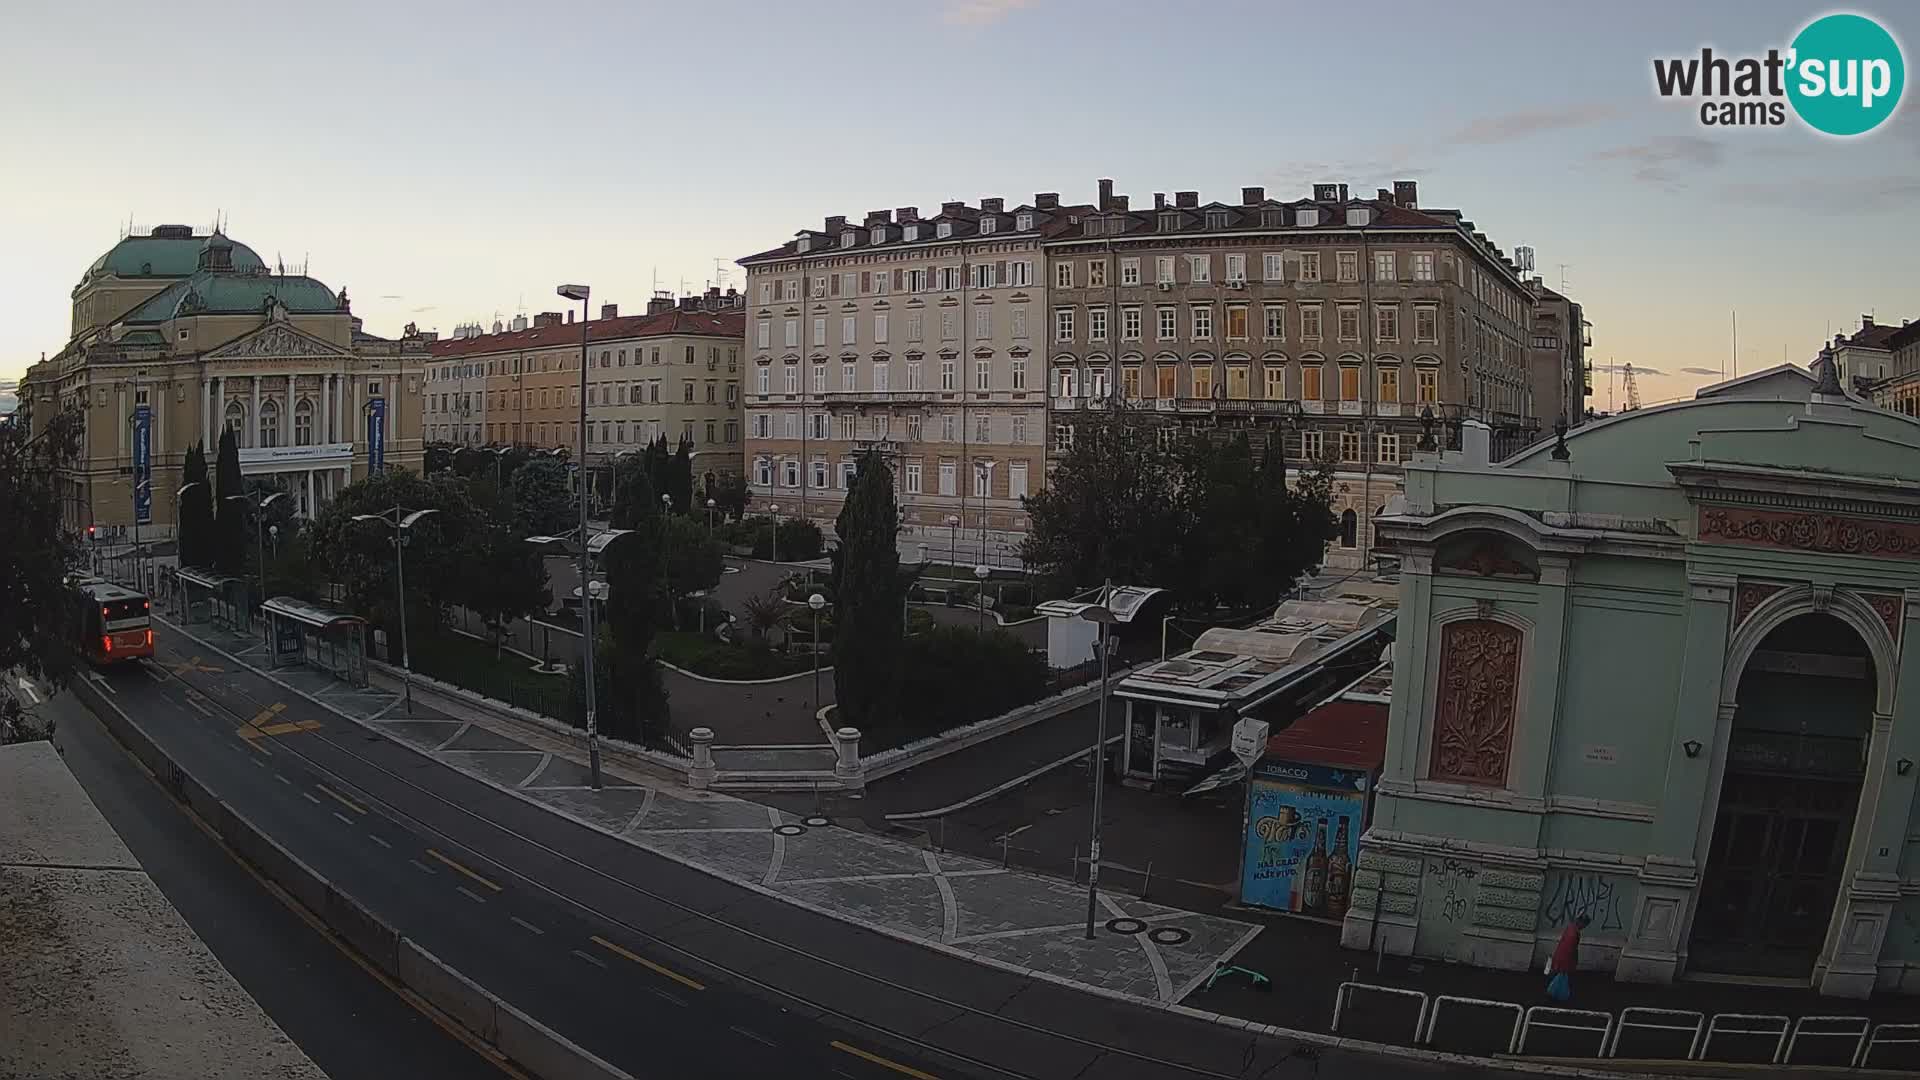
point(1842, 75)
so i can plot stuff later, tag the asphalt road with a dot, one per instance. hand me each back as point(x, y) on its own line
point(341, 1015)
point(651, 964)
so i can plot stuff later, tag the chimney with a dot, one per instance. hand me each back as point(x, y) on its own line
point(662, 301)
point(689, 303)
point(1326, 192)
point(1106, 194)
point(1866, 322)
point(835, 224)
point(1159, 200)
point(1252, 196)
point(1343, 193)
point(993, 206)
point(546, 318)
point(609, 311)
point(1120, 201)
point(1046, 200)
point(907, 215)
point(879, 217)
point(952, 207)
point(1186, 200)
point(498, 326)
point(518, 324)
point(1383, 195)
point(569, 316)
point(1406, 193)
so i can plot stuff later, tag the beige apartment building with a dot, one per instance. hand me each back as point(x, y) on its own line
point(675, 371)
point(177, 336)
point(1339, 323)
point(1561, 336)
point(922, 337)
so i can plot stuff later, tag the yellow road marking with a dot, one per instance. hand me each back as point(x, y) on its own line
point(691, 984)
point(290, 727)
point(449, 862)
point(195, 665)
point(341, 799)
point(885, 1063)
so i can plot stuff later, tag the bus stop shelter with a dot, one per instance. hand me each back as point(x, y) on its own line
point(216, 599)
point(323, 638)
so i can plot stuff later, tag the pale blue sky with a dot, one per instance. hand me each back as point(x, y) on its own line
point(450, 161)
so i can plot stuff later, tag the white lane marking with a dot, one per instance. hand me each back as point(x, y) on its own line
point(152, 674)
point(343, 817)
point(310, 797)
point(422, 867)
point(659, 993)
point(475, 897)
point(102, 682)
point(525, 925)
point(756, 1037)
point(258, 762)
point(28, 687)
point(284, 780)
point(379, 841)
point(590, 958)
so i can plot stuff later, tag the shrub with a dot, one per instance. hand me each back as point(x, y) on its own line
point(800, 540)
point(955, 676)
point(716, 659)
point(961, 595)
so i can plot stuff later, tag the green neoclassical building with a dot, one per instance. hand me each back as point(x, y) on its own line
point(1658, 675)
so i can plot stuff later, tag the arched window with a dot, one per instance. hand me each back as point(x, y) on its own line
point(269, 424)
point(303, 423)
point(1349, 528)
point(236, 419)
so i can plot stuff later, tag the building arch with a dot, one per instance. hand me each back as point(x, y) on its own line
point(303, 422)
point(1796, 600)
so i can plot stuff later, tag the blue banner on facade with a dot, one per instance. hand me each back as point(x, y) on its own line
point(143, 464)
point(376, 435)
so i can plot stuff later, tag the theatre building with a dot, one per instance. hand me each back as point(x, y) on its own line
point(1660, 675)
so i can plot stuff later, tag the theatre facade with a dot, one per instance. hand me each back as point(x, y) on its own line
point(1657, 675)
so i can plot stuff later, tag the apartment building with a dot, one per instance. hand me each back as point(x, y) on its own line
point(924, 338)
point(674, 371)
point(455, 404)
point(1339, 323)
point(1557, 356)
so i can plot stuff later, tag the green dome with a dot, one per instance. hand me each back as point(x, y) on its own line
point(169, 251)
point(211, 293)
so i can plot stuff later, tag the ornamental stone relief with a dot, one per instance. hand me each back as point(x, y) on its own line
point(1825, 533)
point(1478, 697)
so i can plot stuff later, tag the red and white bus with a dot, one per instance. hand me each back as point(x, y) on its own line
point(115, 622)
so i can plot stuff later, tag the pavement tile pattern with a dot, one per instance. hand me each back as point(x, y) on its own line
point(967, 905)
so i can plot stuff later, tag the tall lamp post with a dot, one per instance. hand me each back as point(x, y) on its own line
point(710, 505)
point(580, 293)
point(666, 557)
point(774, 510)
point(980, 600)
point(1102, 614)
point(401, 522)
point(953, 542)
point(260, 502)
point(179, 562)
point(816, 602)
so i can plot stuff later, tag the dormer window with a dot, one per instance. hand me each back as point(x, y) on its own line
point(943, 230)
point(1359, 215)
point(1309, 216)
point(847, 238)
point(1023, 222)
point(1169, 222)
point(912, 232)
point(1273, 219)
point(1216, 219)
point(988, 224)
point(878, 236)
point(803, 244)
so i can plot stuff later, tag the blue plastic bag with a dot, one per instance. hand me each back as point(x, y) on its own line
point(1560, 988)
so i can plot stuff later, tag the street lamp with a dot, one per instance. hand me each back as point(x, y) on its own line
point(953, 542)
point(774, 510)
point(1103, 615)
point(261, 501)
point(580, 293)
point(401, 522)
point(980, 572)
point(816, 602)
point(666, 557)
point(710, 505)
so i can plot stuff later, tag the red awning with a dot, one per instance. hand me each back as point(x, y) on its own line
point(1339, 734)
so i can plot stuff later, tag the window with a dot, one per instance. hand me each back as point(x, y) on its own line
point(880, 328)
point(1097, 324)
point(946, 427)
point(1096, 273)
point(1389, 384)
point(982, 322)
point(1274, 375)
point(1129, 324)
point(1199, 269)
point(819, 383)
point(943, 230)
point(947, 324)
point(1017, 480)
point(1063, 437)
point(1383, 269)
point(913, 427)
point(1129, 271)
point(762, 376)
point(1063, 323)
point(759, 425)
point(1019, 373)
point(1426, 324)
point(1349, 447)
point(763, 472)
point(302, 423)
point(1239, 382)
point(819, 286)
point(1389, 448)
point(1168, 324)
point(686, 391)
point(766, 292)
point(949, 278)
point(849, 379)
point(1349, 521)
point(1022, 222)
point(1236, 322)
point(1346, 266)
point(1276, 322)
point(1017, 433)
point(1270, 267)
point(819, 331)
point(982, 427)
point(1097, 385)
point(1237, 268)
point(1349, 322)
point(917, 280)
point(1020, 274)
point(1427, 383)
point(792, 338)
point(982, 480)
point(1163, 269)
point(946, 375)
point(947, 476)
point(1423, 266)
point(988, 224)
point(1166, 379)
point(1310, 382)
point(1019, 321)
point(790, 473)
point(913, 478)
point(983, 374)
point(1202, 322)
point(847, 334)
point(792, 379)
point(915, 327)
point(1066, 382)
point(1386, 322)
point(846, 427)
point(880, 376)
point(1203, 381)
point(733, 393)
point(1309, 260)
point(1349, 382)
point(820, 474)
point(1130, 382)
point(1063, 275)
point(985, 275)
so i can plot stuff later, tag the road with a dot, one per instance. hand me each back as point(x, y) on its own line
point(651, 964)
point(344, 1018)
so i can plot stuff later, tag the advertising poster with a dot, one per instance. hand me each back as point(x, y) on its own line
point(1303, 838)
point(376, 434)
point(143, 464)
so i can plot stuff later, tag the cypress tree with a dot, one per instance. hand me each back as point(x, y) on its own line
point(230, 530)
point(869, 624)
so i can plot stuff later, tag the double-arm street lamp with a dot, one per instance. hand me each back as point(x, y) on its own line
point(580, 293)
point(260, 499)
point(401, 522)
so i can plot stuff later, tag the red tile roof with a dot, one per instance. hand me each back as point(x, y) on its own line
point(1341, 734)
point(729, 324)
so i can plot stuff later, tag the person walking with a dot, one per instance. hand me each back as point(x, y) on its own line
point(1566, 957)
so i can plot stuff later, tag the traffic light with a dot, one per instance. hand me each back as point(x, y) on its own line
point(91, 536)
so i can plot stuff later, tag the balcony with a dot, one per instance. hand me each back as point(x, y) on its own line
point(876, 397)
point(1351, 408)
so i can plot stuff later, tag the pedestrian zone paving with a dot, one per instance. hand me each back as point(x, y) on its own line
point(970, 906)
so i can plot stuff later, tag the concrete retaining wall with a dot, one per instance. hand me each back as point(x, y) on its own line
point(532, 1045)
point(920, 751)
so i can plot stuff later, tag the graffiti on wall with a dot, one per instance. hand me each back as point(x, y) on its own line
point(1452, 882)
point(1604, 899)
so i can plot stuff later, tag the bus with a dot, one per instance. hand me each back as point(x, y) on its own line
point(115, 622)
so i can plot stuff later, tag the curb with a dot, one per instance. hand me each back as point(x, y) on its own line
point(517, 1036)
point(954, 808)
point(740, 682)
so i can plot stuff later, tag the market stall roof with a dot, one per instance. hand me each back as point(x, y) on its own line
point(1125, 601)
point(1340, 734)
point(316, 615)
point(206, 580)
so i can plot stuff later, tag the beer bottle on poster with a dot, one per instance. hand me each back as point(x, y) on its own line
point(1339, 872)
point(1314, 892)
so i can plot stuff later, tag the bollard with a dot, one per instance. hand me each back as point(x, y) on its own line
point(700, 775)
point(847, 767)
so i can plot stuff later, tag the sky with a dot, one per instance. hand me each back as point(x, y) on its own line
point(453, 162)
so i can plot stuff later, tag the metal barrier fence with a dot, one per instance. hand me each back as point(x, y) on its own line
point(1750, 1025)
point(1581, 1021)
point(1903, 1035)
point(1658, 1020)
point(1441, 1002)
point(1347, 989)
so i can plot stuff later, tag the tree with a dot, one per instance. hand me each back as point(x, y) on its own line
point(1110, 508)
point(730, 494)
point(693, 560)
point(633, 493)
point(195, 531)
point(542, 505)
point(505, 578)
point(680, 476)
point(627, 677)
point(359, 554)
point(869, 617)
point(229, 553)
point(656, 460)
point(800, 540)
point(956, 676)
point(38, 622)
point(763, 614)
point(438, 457)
